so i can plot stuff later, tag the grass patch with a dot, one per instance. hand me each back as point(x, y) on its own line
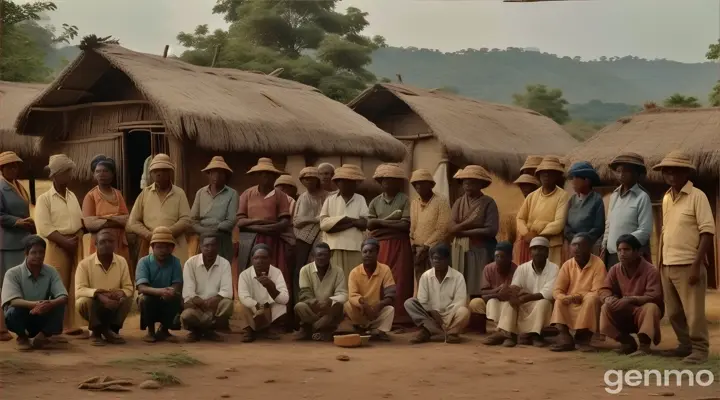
point(177, 359)
point(615, 361)
point(164, 378)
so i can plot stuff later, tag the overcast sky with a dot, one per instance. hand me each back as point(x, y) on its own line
point(673, 29)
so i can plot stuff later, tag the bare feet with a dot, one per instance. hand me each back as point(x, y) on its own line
point(5, 336)
point(39, 341)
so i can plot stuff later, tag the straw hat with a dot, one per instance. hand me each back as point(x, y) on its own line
point(474, 172)
point(349, 172)
point(675, 159)
point(264, 164)
point(527, 179)
point(531, 162)
point(161, 161)
point(389, 171)
point(629, 159)
point(309, 172)
point(59, 163)
point(550, 163)
point(217, 162)
point(421, 175)
point(285, 179)
point(162, 234)
point(9, 157)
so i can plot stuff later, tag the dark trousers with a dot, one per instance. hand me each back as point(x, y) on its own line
point(20, 322)
point(155, 309)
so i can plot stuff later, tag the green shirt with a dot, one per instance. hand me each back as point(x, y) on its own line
point(157, 276)
point(331, 286)
point(381, 207)
point(19, 283)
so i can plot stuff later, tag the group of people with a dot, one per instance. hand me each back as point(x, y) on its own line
point(327, 256)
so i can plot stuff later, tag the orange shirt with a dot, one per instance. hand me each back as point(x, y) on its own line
point(96, 204)
point(369, 287)
point(572, 280)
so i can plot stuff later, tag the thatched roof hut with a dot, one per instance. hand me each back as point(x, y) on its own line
point(14, 96)
point(496, 136)
point(112, 100)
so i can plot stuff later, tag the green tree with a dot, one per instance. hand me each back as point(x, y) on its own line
point(679, 101)
point(713, 52)
point(313, 42)
point(714, 97)
point(548, 102)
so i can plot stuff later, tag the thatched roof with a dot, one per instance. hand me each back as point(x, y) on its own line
point(496, 136)
point(654, 133)
point(226, 109)
point(14, 97)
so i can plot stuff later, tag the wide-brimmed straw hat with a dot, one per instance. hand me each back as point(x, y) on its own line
point(285, 179)
point(675, 159)
point(389, 171)
point(629, 159)
point(531, 162)
point(349, 172)
point(264, 164)
point(59, 163)
point(162, 234)
point(583, 169)
point(161, 161)
point(217, 162)
point(9, 157)
point(309, 172)
point(527, 179)
point(474, 172)
point(421, 175)
point(550, 163)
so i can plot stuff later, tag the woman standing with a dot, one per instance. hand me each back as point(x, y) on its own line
point(306, 221)
point(586, 210)
point(15, 221)
point(104, 207)
point(474, 223)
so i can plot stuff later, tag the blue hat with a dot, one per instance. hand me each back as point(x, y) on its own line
point(584, 169)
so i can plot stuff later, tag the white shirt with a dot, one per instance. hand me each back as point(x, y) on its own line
point(252, 293)
point(206, 283)
point(442, 296)
point(335, 209)
point(526, 278)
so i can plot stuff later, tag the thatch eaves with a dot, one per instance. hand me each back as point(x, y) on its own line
point(653, 134)
point(14, 96)
point(226, 109)
point(496, 136)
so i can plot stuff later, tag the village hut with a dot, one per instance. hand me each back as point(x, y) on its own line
point(444, 132)
point(130, 106)
point(654, 133)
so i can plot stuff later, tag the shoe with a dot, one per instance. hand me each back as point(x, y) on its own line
point(509, 342)
point(496, 339)
point(23, 343)
point(272, 334)
point(696, 357)
point(96, 339)
point(303, 334)
point(150, 338)
point(192, 337)
point(452, 339)
point(538, 341)
point(423, 336)
point(679, 351)
point(381, 336)
point(213, 336)
point(248, 336)
point(113, 338)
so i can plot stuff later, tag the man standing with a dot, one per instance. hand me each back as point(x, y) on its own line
point(33, 298)
point(159, 282)
point(442, 296)
point(372, 292)
point(497, 278)
point(632, 298)
point(577, 306)
point(327, 172)
point(687, 238)
point(322, 296)
point(207, 292)
point(529, 307)
point(104, 290)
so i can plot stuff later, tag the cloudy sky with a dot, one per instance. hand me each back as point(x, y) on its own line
point(674, 29)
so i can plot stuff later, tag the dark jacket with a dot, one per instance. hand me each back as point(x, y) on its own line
point(12, 208)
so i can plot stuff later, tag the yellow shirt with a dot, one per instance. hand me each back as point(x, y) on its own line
point(54, 212)
point(544, 214)
point(90, 276)
point(684, 219)
point(573, 281)
point(429, 221)
point(369, 287)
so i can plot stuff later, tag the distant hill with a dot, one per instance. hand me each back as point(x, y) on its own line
point(495, 74)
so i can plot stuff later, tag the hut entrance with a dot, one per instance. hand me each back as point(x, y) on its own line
point(140, 145)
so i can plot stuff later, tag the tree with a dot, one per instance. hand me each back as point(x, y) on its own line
point(547, 102)
point(713, 52)
point(313, 43)
point(679, 101)
point(714, 97)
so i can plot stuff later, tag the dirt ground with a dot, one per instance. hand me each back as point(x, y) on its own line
point(272, 370)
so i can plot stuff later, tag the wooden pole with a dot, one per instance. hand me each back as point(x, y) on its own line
point(165, 52)
point(215, 56)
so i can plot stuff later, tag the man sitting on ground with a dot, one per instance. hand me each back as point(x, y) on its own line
point(577, 306)
point(207, 292)
point(632, 299)
point(104, 290)
point(263, 296)
point(322, 296)
point(529, 308)
point(372, 291)
point(497, 277)
point(442, 296)
point(159, 282)
point(33, 298)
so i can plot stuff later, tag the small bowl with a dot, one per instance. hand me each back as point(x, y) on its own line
point(364, 340)
point(352, 340)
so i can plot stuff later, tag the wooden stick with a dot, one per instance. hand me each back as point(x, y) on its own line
point(165, 52)
point(215, 56)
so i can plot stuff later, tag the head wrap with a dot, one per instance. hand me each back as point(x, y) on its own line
point(103, 160)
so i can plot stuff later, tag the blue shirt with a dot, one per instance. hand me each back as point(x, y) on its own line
point(585, 215)
point(19, 283)
point(628, 213)
point(157, 276)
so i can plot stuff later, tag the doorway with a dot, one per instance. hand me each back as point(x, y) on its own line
point(138, 148)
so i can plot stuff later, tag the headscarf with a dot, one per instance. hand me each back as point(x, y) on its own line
point(105, 161)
